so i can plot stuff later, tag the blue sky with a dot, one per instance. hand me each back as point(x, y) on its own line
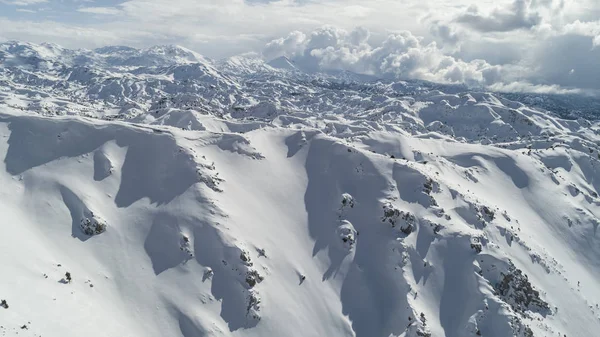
point(534, 45)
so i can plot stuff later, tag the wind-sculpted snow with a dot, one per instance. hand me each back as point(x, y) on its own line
point(158, 193)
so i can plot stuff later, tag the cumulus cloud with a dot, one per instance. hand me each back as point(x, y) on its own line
point(291, 45)
point(400, 55)
point(519, 15)
point(563, 63)
point(444, 32)
point(584, 28)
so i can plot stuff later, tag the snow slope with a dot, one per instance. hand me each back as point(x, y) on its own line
point(268, 202)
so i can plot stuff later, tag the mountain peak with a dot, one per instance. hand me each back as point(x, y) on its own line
point(178, 53)
point(283, 63)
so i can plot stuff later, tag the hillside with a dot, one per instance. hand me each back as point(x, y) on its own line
point(188, 197)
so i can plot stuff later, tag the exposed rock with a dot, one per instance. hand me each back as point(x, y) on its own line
point(487, 213)
point(253, 277)
point(253, 306)
point(347, 200)
point(93, 225)
point(185, 245)
point(394, 216)
point(516, 290)
point(245, 257)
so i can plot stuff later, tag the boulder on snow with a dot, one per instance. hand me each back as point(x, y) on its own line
point(92, 225)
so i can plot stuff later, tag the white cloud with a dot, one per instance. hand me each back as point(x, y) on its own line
point(444, 32)
point(23, 2)
point(538, 89)
point(100, 10)
point(546, 67)
point(291, 45)
point(584, 28)
point(401, 55)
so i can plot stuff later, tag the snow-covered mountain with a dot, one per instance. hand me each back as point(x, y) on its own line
point(159, 193)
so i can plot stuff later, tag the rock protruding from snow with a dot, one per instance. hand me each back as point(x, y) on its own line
point(517, 291)
point(395, 217)
point(253, 302)
point(347, 201)
point(185, 245)
point(92, 224)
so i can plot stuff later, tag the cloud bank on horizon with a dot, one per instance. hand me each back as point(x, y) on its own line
point(508, 45)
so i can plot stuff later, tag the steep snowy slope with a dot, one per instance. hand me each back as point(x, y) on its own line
point(277, 203)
